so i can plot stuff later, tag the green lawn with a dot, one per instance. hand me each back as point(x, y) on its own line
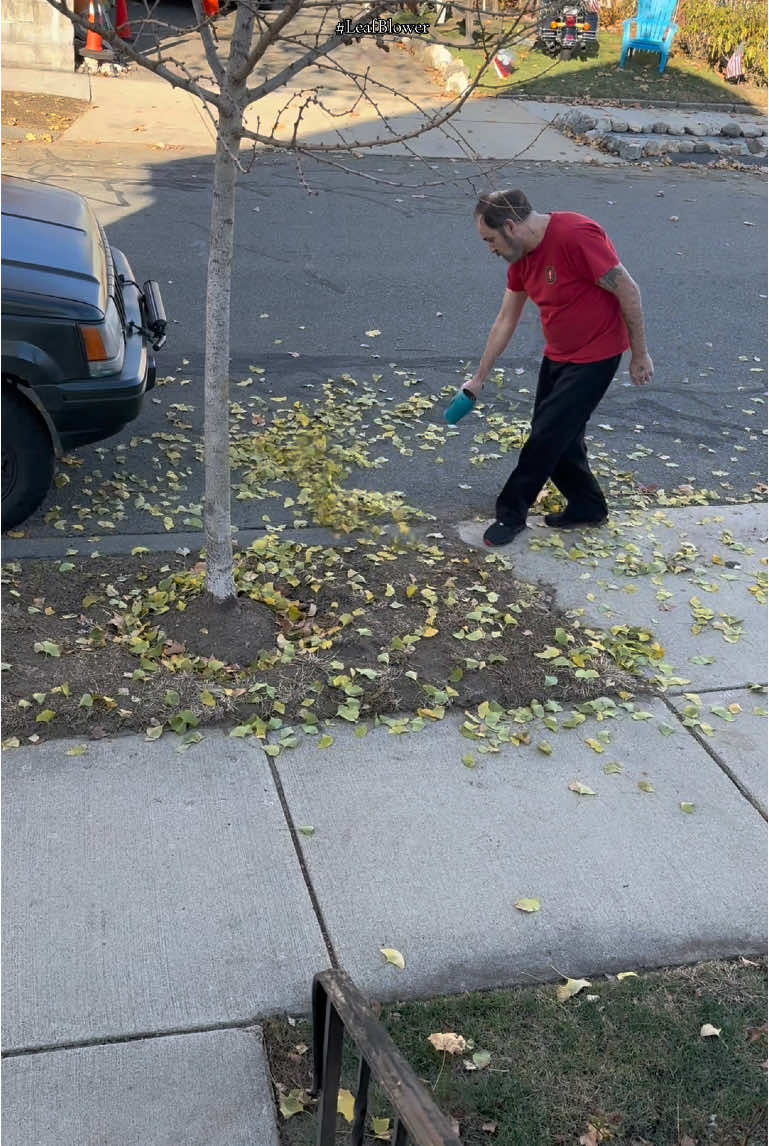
point(537, 76)
point(624, 1057)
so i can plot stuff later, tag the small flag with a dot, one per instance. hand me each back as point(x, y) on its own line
point(503, 65)
point(734, 65)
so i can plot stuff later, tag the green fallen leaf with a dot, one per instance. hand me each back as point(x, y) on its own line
point(528, 905)
point(612, 768)
point(45, 717)
point(47, 648)
point(394, 957)
point(581, 789)
point(645, 786)
point(543, 746)
point(306, 830)
point(154, 732)
point(292, 1103)
point(688, 808)
point(325, 741)
point(380, 1128)
point(78, 750)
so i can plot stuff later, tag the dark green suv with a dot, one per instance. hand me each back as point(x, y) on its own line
point(78, 337)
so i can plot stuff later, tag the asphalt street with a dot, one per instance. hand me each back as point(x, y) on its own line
point(391, 247)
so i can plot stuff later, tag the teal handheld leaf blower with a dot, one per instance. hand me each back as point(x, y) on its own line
point(460, 405)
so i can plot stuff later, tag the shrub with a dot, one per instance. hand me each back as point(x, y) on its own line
point(711, 30)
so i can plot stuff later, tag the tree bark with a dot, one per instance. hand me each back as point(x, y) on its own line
point(220, 580)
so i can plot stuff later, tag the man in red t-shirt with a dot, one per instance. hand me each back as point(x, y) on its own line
point(590, 309)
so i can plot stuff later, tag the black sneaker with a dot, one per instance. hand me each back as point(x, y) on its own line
point(566, 521)
point(500, 534)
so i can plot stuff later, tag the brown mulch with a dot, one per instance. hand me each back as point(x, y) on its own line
point(140, 638)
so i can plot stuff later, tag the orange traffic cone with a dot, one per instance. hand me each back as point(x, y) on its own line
point(93, 39)
point(211, 8)
point(122, 27)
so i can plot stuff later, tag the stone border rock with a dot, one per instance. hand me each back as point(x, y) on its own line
point(656, 138)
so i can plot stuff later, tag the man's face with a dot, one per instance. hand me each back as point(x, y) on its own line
point(504, 242)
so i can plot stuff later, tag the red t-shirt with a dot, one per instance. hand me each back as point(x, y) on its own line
point(581, 321)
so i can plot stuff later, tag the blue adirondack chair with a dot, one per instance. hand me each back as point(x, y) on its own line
point(654, 30)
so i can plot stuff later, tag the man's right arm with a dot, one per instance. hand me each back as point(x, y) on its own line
point(499, 336)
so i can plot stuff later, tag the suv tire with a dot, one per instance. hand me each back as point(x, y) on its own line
point(27, 458)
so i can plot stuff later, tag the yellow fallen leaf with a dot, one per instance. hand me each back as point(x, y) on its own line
point(449, 1042)
point(373, 333)
point(626, 975)
point(571, 987)
point(380, 1128)
point(528, 905)
point(708, 1031)
point(345, 1104)
point(394, 957)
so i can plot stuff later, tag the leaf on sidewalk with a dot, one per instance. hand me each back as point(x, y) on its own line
point(393, 956)
point(528, 905)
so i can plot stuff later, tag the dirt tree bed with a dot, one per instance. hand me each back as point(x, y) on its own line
point(101, 645)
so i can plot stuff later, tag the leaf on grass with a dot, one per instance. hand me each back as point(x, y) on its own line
point(708, 1031)
point(489, 1128)
point(394, 957)
point(449, 1042)
point(481, 1059)
point(626, 975)
point(345, 1105)
point(570, 988)
point(528, 905)
point(580, 789)
point(291, 1104)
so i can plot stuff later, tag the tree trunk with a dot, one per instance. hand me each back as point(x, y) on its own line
point(217, 517)
point(216, 375)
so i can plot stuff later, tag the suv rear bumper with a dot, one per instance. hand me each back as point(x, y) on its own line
point(92, 409)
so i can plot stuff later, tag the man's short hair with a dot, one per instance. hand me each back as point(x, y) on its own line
point(497, 207)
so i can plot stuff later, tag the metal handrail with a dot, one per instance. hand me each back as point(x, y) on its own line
point(338, 1006)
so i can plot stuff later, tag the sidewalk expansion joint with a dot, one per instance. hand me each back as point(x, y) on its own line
point(140, 1036)
point(702, 741)
point(303, 866)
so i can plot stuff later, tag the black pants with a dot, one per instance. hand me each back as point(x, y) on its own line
point(567, 394)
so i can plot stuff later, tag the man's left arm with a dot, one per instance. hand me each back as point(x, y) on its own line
point(619, 283)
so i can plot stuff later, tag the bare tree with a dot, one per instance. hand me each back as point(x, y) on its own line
point(267, 51)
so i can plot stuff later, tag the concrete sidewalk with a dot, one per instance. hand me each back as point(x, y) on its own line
point(159, 903)
point(139, 109)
